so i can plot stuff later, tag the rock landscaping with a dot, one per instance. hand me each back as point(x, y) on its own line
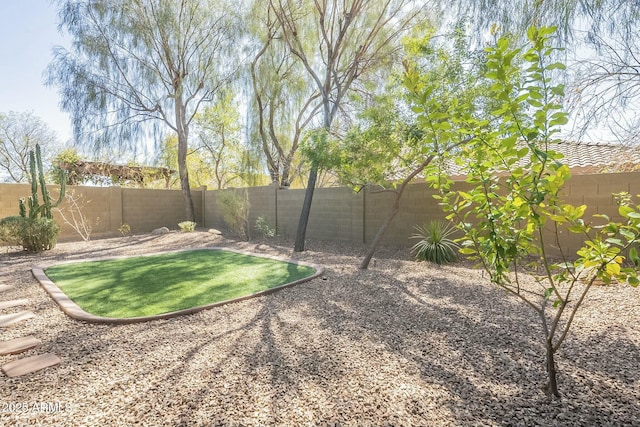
point(402, 344)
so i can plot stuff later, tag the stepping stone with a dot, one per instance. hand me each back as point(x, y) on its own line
point(18, 345)
point(13, 303)
point(13, 318)
point(5, 287)
point(31, 364)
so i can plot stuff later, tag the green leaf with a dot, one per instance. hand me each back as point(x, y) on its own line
point(625, 211)
point(614, 241)
point(603, 216)
point(633, 281)
point(577, 229)
point(467, 251)
point(556, 66)
point(627, 234)
point(633, 256)
point(612, 269)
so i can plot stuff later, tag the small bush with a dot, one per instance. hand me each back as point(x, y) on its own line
point(434, 244)
point(125, 230)
point(40, 234)
point(33, 234)
point(187, 226)
point(235, 211)
point(264, 227)
point(11, 230)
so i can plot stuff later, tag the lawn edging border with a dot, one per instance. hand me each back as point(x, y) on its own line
point(74, 311)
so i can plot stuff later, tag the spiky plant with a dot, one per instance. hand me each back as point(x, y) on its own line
point(435, 243)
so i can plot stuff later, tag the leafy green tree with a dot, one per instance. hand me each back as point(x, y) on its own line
point(337, 42)
point(389, 147)
point(283, 103)
point(19, 134)
point(516, 194)
point(198, 166)
point(68, 157)
point(142, 64)
point(218, 129)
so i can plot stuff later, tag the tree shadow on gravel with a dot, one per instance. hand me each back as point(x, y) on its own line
point(326, 346)
point(506, 354)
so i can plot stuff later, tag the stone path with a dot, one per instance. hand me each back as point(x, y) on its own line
point(31, 364)
point(25, 365)
point(7, 320)
point(13, 303)
point(18, 345)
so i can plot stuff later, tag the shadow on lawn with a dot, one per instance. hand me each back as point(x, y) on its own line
point(424, 324)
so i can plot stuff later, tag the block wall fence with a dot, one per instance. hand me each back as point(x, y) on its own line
point(337, 213)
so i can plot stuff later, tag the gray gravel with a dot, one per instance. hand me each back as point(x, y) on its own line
point(402, 344)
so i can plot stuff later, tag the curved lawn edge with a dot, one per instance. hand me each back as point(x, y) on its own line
point(74, 311)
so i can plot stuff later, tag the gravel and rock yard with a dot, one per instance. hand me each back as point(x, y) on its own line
point(403, 344)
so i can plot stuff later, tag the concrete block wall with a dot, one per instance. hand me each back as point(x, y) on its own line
point(262, 204)
point(289, 204)
point(340, 214)
point(596, 192)
point(96, 205)
point(417, 206)
point(146, 209)
point(10, 195)
point(106, 209)
point(337, 213)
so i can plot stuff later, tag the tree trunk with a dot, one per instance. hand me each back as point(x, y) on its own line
point(306, 210)
point(552, 386)
point(394, 210)
point(311, 186)
point(286, 171)
point(383, 228)
point(184, 178)
point(183, 148)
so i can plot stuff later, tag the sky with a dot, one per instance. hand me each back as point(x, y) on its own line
point(29, 31)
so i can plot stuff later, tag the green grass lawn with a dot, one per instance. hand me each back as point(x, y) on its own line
point(151, 285)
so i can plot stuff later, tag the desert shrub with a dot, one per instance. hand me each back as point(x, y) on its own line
point(264, 227)
point(39, 234)
point(124, 229)
point(235, 211)
point(435, 243)
point(10, 230)
point(187, 226)
point(33, 234)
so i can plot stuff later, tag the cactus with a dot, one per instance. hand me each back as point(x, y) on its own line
point(37, 176)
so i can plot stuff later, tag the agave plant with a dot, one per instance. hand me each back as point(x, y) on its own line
point(435, 243)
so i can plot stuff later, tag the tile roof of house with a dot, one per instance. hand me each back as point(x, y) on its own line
point(581, 154)
point(586, 158)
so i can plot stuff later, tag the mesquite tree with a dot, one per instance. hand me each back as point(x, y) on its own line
point(142, 62)
point(283, 103)
point(389, 148)
point(337, 42)
point(517, 182)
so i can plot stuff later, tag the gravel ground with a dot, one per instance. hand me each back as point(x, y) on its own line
point(404, 343)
